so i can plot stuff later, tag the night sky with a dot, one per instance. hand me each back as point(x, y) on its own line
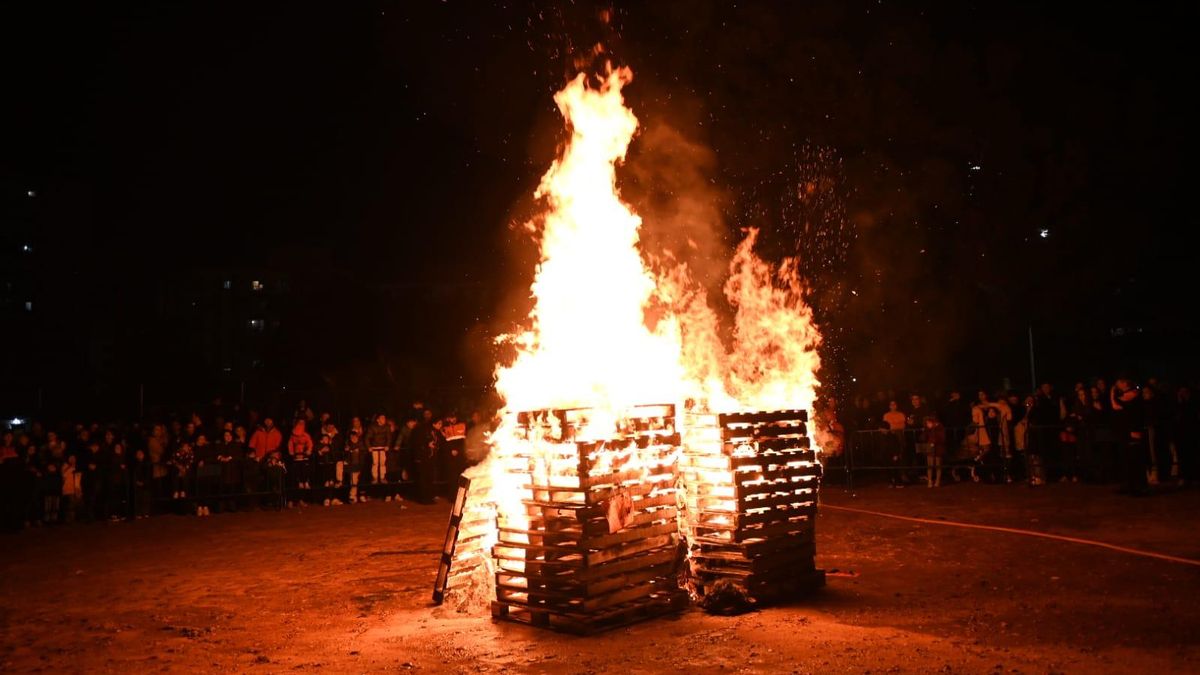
point(975, 170)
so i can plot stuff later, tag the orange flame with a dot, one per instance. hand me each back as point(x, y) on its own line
point(589, 343)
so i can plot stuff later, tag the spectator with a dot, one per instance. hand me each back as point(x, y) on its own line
point(181, 470)
point(302, 413)
point(988, 420)
point(357, 425)
point(395, 470)
point(29, 487)
point(72, 490)
point(251, 469)
point(229, 454)
point(1080, 414)
point(141, 483)
point(156, 454)
point(95, 472)
point(117, 486)
point(1158, 452)
point(51, 488)
point(895, 421)
point(353, 458)
point(266, 439)
point(933, 442)
point(300, 450)
point(323, 469)
point(8, 448)
point(425, 452)
point(1129, 423)
point(378, 440)
point(208, 475)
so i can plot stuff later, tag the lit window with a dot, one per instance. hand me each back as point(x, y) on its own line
point(227, 284)
point(256, 285)
point(28, 306)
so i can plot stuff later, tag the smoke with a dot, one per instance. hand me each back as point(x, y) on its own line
point(671, 182)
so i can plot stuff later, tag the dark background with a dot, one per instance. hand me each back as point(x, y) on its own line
point(363, 162)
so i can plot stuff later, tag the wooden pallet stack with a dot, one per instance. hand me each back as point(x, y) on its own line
point(593, 540)
point(750, 482)
point(466, 552)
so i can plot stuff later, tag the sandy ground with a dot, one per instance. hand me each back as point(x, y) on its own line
point(347, 589)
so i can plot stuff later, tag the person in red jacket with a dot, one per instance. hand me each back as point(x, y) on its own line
point(266, 439)
point(300, 449)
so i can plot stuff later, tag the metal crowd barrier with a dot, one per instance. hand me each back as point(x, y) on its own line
point(1092, 455)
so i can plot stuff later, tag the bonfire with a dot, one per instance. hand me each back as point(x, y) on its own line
point(639, 459)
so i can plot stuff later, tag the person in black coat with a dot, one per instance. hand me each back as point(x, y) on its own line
point(94, 467)
point(117, 484)
point(1129, 427)
point(424, 442)
point(141, 481)
point(229, 454)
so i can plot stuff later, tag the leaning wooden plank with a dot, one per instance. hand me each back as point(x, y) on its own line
point(451, 541)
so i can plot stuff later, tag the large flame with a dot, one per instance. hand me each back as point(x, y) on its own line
point(588, 343)
point(590, 340)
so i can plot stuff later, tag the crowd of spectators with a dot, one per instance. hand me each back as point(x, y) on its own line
point(1137, 435)
point(227, 459)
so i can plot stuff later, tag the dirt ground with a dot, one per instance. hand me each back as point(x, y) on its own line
point(347, 589)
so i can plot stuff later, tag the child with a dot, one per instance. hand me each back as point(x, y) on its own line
point(933, 440)
point(72, 489)
point(300, 448)
point(323, 468)
point(229, 457)
point(276, 472)
point(181, 465)
point(208, 474)
point(353, 458)
point(51, 490)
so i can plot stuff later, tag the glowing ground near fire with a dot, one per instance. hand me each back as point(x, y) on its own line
point(347, 590)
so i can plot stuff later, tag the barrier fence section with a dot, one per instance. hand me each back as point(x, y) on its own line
point(990, 454)
point(251, 484)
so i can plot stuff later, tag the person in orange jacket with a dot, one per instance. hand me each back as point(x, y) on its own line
point(266, 439)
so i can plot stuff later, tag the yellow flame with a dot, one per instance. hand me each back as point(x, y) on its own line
point(588, 342)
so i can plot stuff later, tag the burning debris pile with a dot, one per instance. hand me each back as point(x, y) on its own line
point(601, 496)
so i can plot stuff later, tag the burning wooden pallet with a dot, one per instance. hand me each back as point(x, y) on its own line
point(750, 481)
point(591, 541)
point(469, 536)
